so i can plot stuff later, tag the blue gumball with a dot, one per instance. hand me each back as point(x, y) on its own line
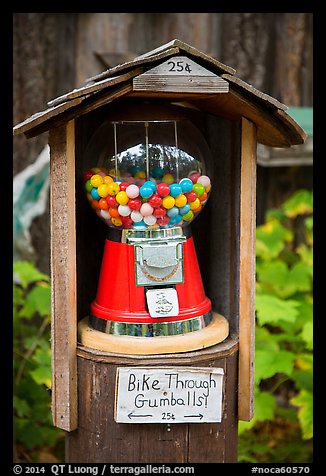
point(175, 189)
point(186, 185)
point(95, 194)
point(146, 191)
point(185, 209)
point(157, 173)
point(175, 220)
point(139, 224)
point(151, 184)
point(172, 212)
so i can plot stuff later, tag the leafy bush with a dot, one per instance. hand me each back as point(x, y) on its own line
point(281, 430)
point(35, 438)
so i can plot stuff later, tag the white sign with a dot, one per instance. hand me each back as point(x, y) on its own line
point(162, 302)
point(168, 395)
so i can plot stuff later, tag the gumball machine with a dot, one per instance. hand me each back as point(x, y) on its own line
point(147, 179)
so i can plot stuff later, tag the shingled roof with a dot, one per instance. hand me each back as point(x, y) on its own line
point(274, 126)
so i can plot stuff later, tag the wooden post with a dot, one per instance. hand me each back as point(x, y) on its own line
point(63, 274)
point(99, 439)
point(247, 271)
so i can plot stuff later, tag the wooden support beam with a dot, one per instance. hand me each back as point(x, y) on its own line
point(63, 277)
point(247, 271)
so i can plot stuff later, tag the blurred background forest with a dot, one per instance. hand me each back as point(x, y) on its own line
point(54, 53)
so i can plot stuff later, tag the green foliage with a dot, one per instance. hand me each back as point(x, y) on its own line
point(284, 337)
point(33, 428)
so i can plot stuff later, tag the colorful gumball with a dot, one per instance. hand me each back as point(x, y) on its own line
point(126, 221)
point(204, 180)
point(163, 221)
point(96, 170)
point(103, 190)
point(146, 210)
point(146, 191)
point(188, 216)
point(155, 200)
point(208, 189)
point(136, 216)
point(175, 220)
point(157, 173)
point(122, 198)
point(105, 214)
point(95, 194)
point(88, 186)
point(116, 221)
point(159, 212)
point(95, 204)
point(194, 176)
point(107, 179)
point(191, 196)
point(168, 202)
point(198, 209)
point(134, 204)
point(124, 210)
point(186, 185)
point(203, 197)
point(175, 190)
point(195, 204)
point(96, 180)
point(167, 178)
point(112, 201)
point(140, 175)
point(135, 169)
point(181, 200)
point(150, 220)
point(199, 189)
point(132, 191)
point(185, 209)
point(123, 186)
point(87, 175)
point(172, 212)
point(139, 224)
point(163, 189)
point(113, 188)
point(103, 204)
point(114, 212)
point(150, 183)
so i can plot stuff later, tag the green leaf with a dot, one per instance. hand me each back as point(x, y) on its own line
point(26, 273)
point(269, 363)
point(304, 401)
point(307, 334)
point(265, 405)
point(300, 203)
point(306, 254)
point(272, 310)
point(21, 407)
point(42, 375)
point(264, 340)
point(271, 238)
point(38, 301)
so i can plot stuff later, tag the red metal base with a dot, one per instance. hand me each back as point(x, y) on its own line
point(119, 299)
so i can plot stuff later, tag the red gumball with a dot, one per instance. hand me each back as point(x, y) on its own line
point(162, 221)
point(134, 204)
point(126, 222)
point(159, 212)
point(155, 201)
point(111, 201)
point(87, 175)
point(163, 189)
point(123, 186)
point(194, 177)
point(191, 196)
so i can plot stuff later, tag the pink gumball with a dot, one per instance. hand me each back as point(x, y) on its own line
point(146, 209)
point(204, 180)
point(132, 191)
point(150, 220)
point(194, 177)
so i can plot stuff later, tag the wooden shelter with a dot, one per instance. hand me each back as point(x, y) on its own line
point(234, 116)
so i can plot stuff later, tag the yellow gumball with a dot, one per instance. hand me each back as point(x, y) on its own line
point(168, 202)
point(168, 178)
point(208, 188)
point(103, 190)
point(180, 201)
point(116, 221)
point(96, 169)
point(112, 172)
point(89, 197)
point(96, 180)
point(195, 204)
point(113, 188)
point(122, 198)
point(107, 179)
point(140, 175)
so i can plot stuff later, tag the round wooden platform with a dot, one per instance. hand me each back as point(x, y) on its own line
point(215, 332)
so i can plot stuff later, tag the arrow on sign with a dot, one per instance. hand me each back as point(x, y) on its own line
point(131, 415)
point(200, 416)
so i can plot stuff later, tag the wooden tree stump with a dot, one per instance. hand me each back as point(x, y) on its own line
point(99, 439)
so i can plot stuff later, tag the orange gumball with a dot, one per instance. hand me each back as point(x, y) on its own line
point(103, 204)
point(95, 204)
point(203, 197)
point(114, 213)
point(198, 209)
